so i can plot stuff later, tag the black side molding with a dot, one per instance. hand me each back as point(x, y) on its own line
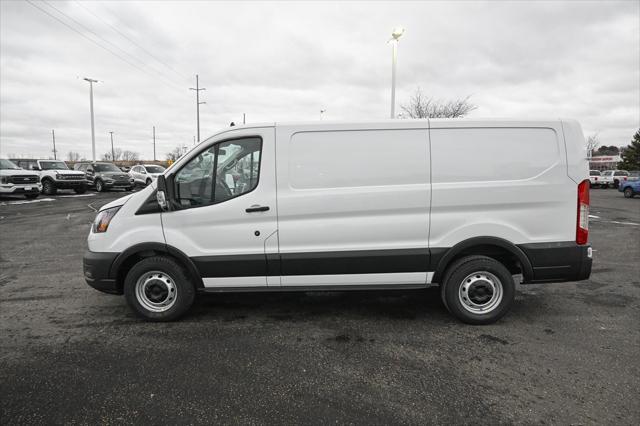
point(558, 261)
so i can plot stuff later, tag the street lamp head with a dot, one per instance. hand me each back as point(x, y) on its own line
point(397, 33)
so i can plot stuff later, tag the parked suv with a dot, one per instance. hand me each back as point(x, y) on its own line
point(104, 176)
point(144, 174)
point(54, 175)
point(14, 180)
point(612, 178)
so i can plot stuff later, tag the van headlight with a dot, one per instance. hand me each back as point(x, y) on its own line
point(103, 219)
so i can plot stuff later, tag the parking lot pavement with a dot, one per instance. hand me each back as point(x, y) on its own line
point(567, 353)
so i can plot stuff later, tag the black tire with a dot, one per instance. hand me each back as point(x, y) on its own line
point(628, 193)
point(170, 275)
point(148, 182)
point(48, 187)
point(99, 185)
point(31, 196)
point(616, 184)
point(80, 190)
point(489, 273)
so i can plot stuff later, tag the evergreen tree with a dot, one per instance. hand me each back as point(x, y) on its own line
point(631, 155)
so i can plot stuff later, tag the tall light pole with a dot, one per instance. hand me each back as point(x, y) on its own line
point(154, 143)
point(113, 155)
point(93, 131)
point(198, 103)
point(53, 136)
point(395, 38)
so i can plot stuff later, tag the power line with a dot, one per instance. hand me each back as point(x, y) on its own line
point(132, 41)
point(92, 40)
point(104, 40)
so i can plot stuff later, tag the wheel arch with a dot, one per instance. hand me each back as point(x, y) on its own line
point(497, 248)
point(125, 261)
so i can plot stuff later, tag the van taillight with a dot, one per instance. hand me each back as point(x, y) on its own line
point(582, 226)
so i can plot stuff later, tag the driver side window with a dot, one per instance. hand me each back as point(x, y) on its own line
point(224, 171)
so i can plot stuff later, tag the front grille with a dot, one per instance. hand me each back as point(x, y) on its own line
point(71, 177)
point(22, 179)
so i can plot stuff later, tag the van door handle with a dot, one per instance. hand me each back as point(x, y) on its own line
point(253, 209)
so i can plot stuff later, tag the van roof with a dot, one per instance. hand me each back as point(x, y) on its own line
point(398, 123)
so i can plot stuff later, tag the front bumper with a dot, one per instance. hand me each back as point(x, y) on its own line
point(70, 184)
point(96, 267)
point(118, 184)
point(559, 262)
point(20, 189)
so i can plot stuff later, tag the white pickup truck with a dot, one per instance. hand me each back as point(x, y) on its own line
point(54, 175)
point(15, 181)
point(613, 178)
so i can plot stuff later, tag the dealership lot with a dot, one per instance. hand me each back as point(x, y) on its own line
point(567, 353)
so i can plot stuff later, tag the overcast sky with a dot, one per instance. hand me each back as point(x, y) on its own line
point(287, 61)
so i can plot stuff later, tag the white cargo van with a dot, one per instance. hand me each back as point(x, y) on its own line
point(395, 204)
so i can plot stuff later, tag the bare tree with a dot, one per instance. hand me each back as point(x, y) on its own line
point(130, 156)
point(73, 156)
point(117, 154)
point(175, 154)
point(421, 106)
point(592, 142)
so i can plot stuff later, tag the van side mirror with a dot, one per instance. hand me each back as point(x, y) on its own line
point(161, 194)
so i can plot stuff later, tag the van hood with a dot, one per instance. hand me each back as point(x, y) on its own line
point(117, 203)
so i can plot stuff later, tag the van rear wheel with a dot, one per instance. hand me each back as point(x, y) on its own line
point(478, 290)
point(158, 289)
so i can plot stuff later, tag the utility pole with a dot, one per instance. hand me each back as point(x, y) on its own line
point(113, 155)
point(53, 135)
point(93, 132)
point(154, 143)
point(198, 103)
point(244, 118)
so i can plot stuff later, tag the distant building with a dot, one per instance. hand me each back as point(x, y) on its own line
point(604, 162)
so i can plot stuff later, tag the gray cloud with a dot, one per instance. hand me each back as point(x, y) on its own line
point(285, 61)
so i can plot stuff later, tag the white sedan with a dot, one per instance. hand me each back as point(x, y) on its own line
point(144, 174)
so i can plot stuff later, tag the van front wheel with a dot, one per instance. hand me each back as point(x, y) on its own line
point(158, 289)
point(478, 290)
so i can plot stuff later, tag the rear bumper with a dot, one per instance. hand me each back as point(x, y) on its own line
point(96, 267)
point(558, 262)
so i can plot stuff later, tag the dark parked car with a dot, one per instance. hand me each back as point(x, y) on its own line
point(104, 176)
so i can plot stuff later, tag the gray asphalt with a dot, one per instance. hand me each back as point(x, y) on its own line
point(567, 353)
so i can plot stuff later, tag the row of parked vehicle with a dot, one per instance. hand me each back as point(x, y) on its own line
point(31, 177)
point(626, 182)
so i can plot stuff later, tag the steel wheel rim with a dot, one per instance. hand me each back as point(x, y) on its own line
point(480, 292)
point(156, 291)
